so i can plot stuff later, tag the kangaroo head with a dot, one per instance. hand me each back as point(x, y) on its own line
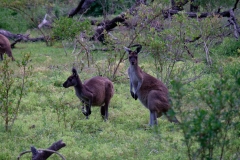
point(133, 55)
point(72, 80)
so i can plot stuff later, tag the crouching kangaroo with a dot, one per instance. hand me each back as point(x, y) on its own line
point(152, 93)
point(5, 47)
point(96, 91)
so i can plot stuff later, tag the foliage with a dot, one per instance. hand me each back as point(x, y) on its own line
point(29, 9)
point(96, 9)
point(67, 28)
point(10, 21)
point(10, 94)
point(210, 4)
point(230, 47)
point(206, 127)
point(103, 7)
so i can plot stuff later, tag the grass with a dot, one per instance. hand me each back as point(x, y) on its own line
point(50, 112)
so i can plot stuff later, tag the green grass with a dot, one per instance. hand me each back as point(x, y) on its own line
point(55, 112)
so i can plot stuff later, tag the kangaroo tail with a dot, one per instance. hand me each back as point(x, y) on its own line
point(170, 114)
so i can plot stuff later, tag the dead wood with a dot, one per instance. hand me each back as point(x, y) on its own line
point(83, 5)
point(36, 155)
point(15, 42)
point(107, 26)
point(178, 6)
point(172, 12)
point(20, 37)
point(43, 154)
point(12, 36)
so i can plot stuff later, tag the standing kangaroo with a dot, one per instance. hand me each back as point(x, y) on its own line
point(152, 93)
point(96, 91)
point(5, 47)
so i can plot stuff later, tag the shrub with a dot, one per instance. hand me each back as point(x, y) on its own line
point(12, 21)
point(210, 127)
point(12, 89)
point(229, 47)
point(68, 28)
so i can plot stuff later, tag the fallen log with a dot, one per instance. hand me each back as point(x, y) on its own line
point(43, 154)
point(107, 26)
point(20, 37)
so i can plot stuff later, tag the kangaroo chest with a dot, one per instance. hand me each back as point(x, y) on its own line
point(81, 96)
point(134, 77)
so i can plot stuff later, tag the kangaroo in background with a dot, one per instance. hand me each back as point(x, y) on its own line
point(5, 47)
point(96, 91)
point(151, 92)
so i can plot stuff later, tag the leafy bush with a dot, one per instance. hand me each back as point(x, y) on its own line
point(68, 28)
point(100, 7)
point(12, 21)
point(207, 125)
point(229, 47)
point(12, 89)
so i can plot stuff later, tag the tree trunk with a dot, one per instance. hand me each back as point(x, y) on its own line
point(81, 8)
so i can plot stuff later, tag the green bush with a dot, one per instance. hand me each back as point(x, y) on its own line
point(67, 28)
point(110, 7)
point(12, 21)
point(229, 47)
point(12, 89)
point(211, 125)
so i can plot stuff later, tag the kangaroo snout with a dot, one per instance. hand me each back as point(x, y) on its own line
point(65, 85)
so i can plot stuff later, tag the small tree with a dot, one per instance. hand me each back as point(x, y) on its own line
point(12, 89)
point(211, 127)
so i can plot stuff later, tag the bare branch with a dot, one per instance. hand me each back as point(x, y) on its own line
point(81, 8)
point(171, 12)
point(235, 5)
point(76, 10)
point(107, 26)
point(232, 20)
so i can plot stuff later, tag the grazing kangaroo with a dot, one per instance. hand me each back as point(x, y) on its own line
point(152, 93)
point(5, 47)
point(96, 91)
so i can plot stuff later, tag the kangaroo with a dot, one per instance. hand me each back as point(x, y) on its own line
point(5, 47)
point(96, 91)
point(151, 92)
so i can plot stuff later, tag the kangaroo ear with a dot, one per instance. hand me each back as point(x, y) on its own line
point(127, 49)
point(74, 71)
point(139, 47)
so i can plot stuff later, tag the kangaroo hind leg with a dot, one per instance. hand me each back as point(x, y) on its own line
point(153, 118)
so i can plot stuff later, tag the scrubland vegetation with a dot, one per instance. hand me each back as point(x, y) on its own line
point(205, 90)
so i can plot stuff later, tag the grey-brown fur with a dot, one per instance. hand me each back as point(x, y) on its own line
point(96, 91)
point(5, 47)
point(152, 93)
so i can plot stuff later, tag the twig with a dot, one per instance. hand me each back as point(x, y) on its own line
point(65, 49)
